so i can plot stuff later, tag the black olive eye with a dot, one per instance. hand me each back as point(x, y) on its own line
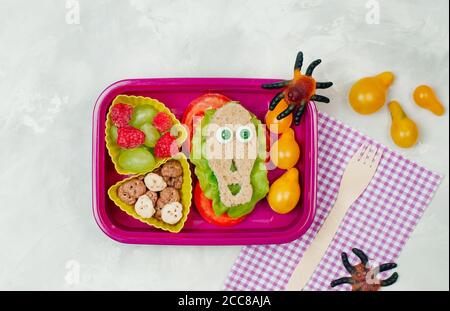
point(244, 134)
point(224, 134)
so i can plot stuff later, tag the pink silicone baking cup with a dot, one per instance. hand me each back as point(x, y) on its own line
point(262, 226)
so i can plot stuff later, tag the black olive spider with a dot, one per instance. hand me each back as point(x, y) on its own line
point(298, 91)
point(363, 278)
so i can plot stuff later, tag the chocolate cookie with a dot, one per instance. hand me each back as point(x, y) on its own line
point(129, 191)
point(171, 168)
point(153, 196)
point(175, 182)
point(169, 195)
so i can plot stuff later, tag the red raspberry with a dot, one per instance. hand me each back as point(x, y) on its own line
point(162, 122)
point(121, 114)
point(165, 146)
point(129, 137)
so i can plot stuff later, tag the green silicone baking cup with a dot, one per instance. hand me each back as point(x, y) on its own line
point(114, 150)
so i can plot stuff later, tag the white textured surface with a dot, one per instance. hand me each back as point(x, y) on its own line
point(51, 72)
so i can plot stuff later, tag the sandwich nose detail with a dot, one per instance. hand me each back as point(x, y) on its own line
point(233, 167)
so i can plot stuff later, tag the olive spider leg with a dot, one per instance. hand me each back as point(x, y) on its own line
point(286, 112)
point(390, 280)
point(361, 256)
point(323, 85)
point(298, 114)
point(299, 61)
point(312, 66)
point(276, 85)
point(274, 102)
point(387, 266)
point(320, 98)
point(347, 264)
point(345, 280)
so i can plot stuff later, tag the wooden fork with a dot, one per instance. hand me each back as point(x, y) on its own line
point(357, 175)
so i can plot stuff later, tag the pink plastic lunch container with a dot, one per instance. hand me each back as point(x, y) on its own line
point(262, 226)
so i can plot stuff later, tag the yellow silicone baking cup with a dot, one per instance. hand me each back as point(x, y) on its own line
point(114, 150)
point(186, 198)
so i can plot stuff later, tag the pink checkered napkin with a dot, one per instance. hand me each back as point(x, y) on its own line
point(379, 222)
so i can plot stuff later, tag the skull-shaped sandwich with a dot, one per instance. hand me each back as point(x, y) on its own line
point(230, 143)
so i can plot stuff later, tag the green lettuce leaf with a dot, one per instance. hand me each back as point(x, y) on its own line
point(208, 180)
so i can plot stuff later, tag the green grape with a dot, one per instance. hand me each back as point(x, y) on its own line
point(151, 134)
point(137, 160)
point(113, 133)
point(142, 114)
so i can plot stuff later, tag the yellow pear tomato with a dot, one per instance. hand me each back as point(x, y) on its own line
point(284, 193)
point(285, 152)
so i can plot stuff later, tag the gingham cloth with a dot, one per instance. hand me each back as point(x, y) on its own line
point(379, 222)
